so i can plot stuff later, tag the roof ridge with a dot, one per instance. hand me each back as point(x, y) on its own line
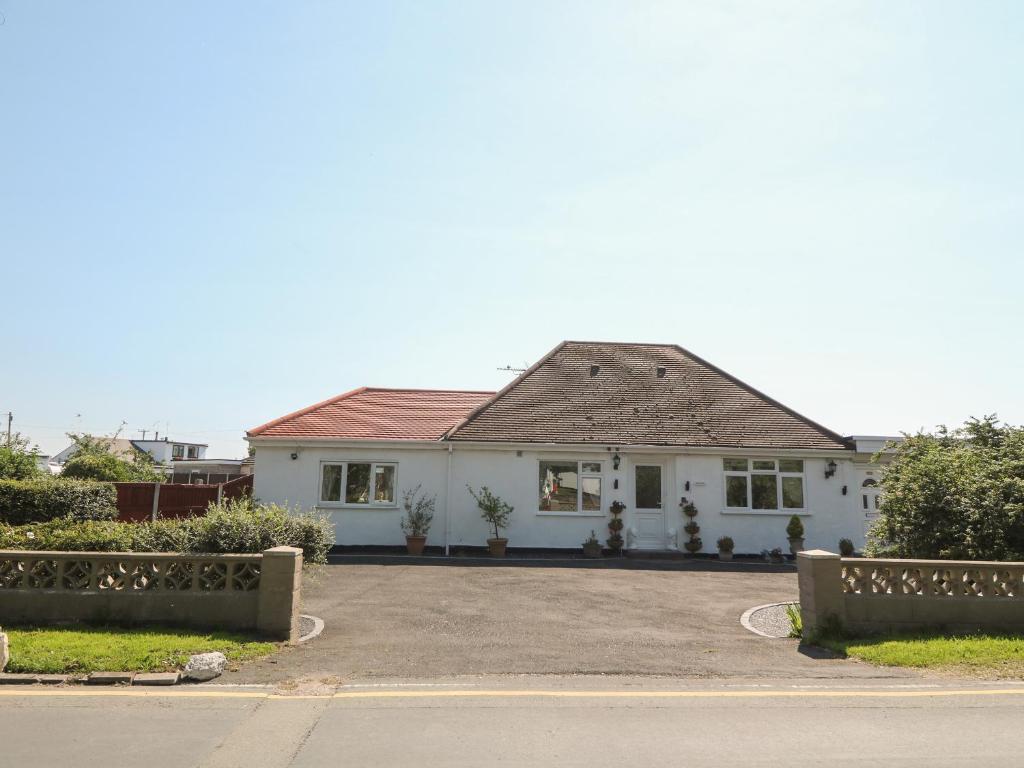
point(303, 411)
point(425, 389)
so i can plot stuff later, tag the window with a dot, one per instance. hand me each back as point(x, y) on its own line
point(764, 484)
point(361, 482)
point(648, 486)
point(177, 451)
point(570, 486)
point(193, 452)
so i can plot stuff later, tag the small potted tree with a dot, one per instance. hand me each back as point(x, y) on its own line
point(419, 514)
point(725, 547)
point(845, 548)
point(592, 547)
point(496, 512)
point(795, 532)
point(615, 526)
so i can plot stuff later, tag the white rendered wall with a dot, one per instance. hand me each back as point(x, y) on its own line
point(514, 475)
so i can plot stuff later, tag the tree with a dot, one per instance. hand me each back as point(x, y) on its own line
point(93, 460)
point(955, 494)
point(492, 509)
point(17, 460)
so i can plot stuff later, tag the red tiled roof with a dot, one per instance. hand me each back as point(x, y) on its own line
point(378, 414)
point(638, 394)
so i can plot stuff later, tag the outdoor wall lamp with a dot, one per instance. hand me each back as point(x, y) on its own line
point(295, 455)
point(615, 461)
point(844, 490)
point(830, 468)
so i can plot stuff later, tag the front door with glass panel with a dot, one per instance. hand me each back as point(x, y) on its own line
point(648, 511)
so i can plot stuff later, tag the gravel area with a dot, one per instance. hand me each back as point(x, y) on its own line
point(772, 620)
point(306, 625)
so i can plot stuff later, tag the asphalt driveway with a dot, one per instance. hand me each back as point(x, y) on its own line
point(400, 621)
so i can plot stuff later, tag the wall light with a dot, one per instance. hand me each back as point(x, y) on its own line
point(830, 468)
point(615, 461)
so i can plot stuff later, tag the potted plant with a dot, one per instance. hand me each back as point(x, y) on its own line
point(776, 556)
point(615, 526)
point(694, 545)
point(795, 532)
point(725, 547)
point(846, 548)
point(592, 547)
point(496, 512)
point(419, 514)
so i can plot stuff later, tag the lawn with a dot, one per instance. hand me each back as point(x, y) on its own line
point(80, 649)
point(988, 653)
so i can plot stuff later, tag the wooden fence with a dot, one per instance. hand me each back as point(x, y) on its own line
point(137, 502)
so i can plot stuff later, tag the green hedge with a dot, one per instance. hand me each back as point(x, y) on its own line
point(38, 501)
point(236, 526)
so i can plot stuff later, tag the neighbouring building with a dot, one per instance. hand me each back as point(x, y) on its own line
point(209, 471)
point(165, 452)
point(591, 423)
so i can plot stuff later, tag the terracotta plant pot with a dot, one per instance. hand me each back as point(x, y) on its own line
point(415, 544)
point(795, 545)
point(724, 556)
point(592, 551)
point(497, 547)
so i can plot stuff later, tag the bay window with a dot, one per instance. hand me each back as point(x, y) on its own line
point(358, 483)
point(764, 484)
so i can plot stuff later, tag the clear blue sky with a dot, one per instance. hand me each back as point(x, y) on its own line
point(212, 213)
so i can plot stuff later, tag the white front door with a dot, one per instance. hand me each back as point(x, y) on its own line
point(648, 510)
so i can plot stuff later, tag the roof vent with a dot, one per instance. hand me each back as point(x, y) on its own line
point(594, 369)
point(661, 372)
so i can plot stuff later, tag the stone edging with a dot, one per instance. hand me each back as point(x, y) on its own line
point(745, 618)
point(318, 627)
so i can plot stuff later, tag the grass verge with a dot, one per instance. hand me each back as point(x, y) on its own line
point(982, 652)
point(82, 649)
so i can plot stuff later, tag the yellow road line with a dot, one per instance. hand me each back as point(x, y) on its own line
point(500, 694)
point(670, 694)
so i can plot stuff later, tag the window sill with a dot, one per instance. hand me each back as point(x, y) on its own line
point(554, 513)
point(770, 512)
point(328, 506)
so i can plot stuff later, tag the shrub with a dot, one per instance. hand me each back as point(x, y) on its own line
point(236, 526)
point(726, 544)
point(795, 528)
point(37, 501)
point(955, 494)
point(846, 548)
point(18, 460)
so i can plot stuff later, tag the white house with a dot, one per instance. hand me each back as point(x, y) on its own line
point(591, 423)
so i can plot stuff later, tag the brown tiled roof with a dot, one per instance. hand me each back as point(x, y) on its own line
point(377, 414)
point(639, 394)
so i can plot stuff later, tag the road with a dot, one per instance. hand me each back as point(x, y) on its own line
point(480, 722)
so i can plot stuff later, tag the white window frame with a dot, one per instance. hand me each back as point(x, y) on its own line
point(371, 504)
point(749, 473)
point(581, 475)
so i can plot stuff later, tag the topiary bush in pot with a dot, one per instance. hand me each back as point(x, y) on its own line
point(795, 533)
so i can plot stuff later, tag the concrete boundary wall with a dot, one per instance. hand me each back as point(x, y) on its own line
point(257, 593)
point(878, 595)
